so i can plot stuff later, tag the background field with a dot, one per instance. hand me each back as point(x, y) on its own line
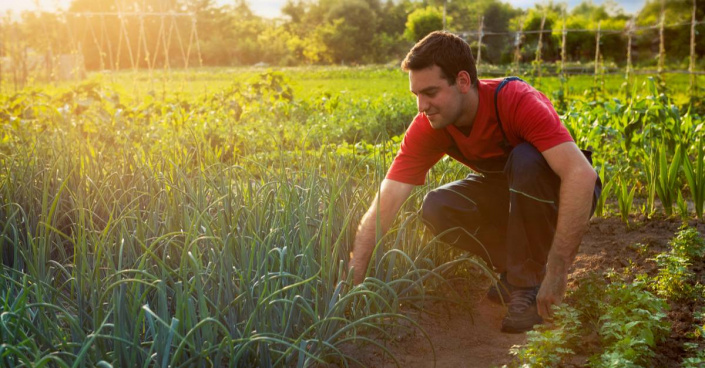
point(205, 217)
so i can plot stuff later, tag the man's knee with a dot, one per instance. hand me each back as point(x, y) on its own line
point(433, 208)
point(527, 166)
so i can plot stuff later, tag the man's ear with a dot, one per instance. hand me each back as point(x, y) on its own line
point(463, 81)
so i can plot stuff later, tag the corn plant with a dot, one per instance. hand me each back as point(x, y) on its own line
point(651, 172)
point(604, 195)
point(625, 199)
point(695, 176)
point(667, 177)
point(682, 206)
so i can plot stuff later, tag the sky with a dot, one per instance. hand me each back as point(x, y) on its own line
point(271, 8)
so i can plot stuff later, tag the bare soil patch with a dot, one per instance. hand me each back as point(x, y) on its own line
point(472, 338)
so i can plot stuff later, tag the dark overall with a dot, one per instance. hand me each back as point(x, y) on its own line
point(507, 215)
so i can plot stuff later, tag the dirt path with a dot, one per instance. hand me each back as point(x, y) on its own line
point(473, 339)
point(460, 338)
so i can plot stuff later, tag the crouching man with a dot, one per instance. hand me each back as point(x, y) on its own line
point(530, 200)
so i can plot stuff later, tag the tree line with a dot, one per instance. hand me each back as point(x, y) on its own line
point(156, 33)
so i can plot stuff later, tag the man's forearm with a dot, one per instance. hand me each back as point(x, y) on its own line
point(573, 218)
point(363, 246)
point(383, 210)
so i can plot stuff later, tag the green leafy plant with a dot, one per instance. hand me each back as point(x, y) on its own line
point(688, 243)
point(627, 319)
point(548, 346)
point(674, 277)
point(606, 191)
point(631, 326)
point(625, 200)
point(695, 176)
point(667, 179)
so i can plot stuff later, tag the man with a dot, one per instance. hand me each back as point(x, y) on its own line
point(526, 210)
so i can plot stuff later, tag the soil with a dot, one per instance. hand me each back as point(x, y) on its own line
point(471, 337)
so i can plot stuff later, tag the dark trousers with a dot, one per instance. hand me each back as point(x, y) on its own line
point(507, 219)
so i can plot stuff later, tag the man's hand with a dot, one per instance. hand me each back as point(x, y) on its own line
point(385, 206)
point(577, 187)
point(551, 293)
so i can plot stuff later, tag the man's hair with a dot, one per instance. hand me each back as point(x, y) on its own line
point(450, 52)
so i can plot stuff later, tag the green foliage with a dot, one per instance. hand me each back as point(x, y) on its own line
point(666, 182)
point(625, 199)
point(549, 346)
point(335, 31)
point(423, 21)
point(695, 176)
point(626, 317)
point(675, 279)
point(697, 354)
point(208, 222)
point(631, 326)
point(688, 243)
point(606, 191)
point(180, 231)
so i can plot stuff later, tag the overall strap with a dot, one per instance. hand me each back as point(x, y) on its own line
point(504, 82)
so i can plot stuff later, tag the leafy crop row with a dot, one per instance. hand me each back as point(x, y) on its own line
point(619, 323)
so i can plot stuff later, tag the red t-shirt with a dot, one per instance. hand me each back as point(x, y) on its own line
point(527, 116)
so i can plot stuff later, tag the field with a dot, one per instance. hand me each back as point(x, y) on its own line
point(205, 218)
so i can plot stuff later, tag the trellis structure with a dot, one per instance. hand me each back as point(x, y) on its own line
point(91, 35)
point(168, 28)
point(599, 70)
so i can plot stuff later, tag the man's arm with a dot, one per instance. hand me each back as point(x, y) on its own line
point(387, 202)
point(575, 200)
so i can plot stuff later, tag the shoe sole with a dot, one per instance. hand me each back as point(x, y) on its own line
point(520, 329)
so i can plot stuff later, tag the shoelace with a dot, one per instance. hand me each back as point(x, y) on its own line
point(522, 299)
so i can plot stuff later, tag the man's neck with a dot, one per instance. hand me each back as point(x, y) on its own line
point(470, 110)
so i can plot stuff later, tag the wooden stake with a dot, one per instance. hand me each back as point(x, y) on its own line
point(539, 46)
point(691, 66)
point(517, 46)
point(479, 41)
point(563, 55)
point(630, 32)
point(597, 52)
point(662, 43)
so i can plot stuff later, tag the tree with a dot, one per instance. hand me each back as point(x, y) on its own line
point(497, 16)
point(354, 23)
point(421, 22)
point(550, 44)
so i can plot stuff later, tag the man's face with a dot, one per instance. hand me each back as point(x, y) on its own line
point(439, 101)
